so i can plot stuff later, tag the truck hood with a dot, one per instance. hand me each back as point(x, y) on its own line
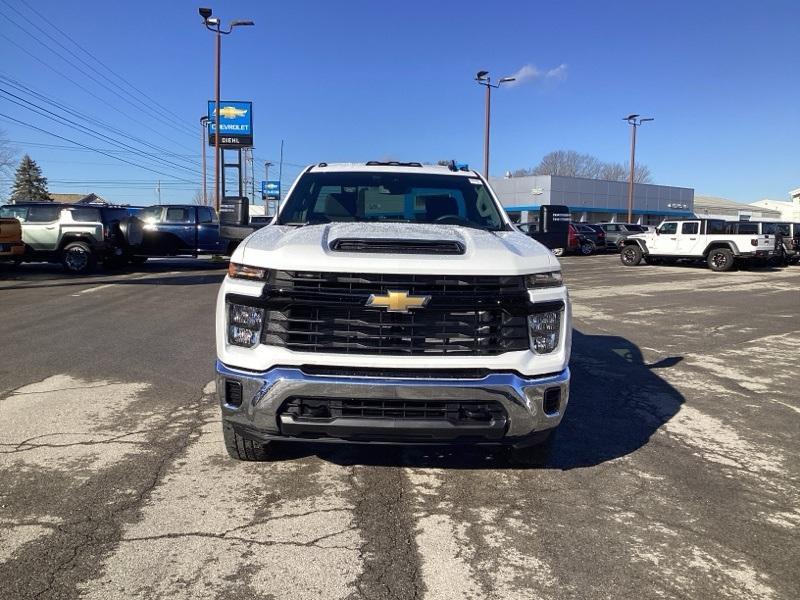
point(308, 248)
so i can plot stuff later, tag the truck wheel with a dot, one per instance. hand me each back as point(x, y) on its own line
point(720, 259)
point(242, 448)
point(587, 248)
point(630, 255)
point(536, 455)
point(77, 258)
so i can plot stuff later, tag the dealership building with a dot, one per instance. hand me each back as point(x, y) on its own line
point(592, 200)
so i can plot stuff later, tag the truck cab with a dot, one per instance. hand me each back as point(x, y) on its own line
point(181, 230)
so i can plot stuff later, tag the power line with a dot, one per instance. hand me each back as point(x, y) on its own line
point(158, 117)
point(35, 108)
point(146, 168)
point(74, 112)
point(101, 63)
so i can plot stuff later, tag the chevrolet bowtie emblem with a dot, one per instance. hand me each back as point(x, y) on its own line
point(397, 301)
point(231, 112)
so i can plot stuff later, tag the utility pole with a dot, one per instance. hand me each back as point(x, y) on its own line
point(280, 165)
point(634, 121)
point(158, 191)
point(203, 127)
point(252, 177)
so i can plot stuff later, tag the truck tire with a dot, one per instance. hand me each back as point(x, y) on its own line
point(720, 259)
point(536, 455)
point(78, 258)
point(242, 448)
point(630, 255)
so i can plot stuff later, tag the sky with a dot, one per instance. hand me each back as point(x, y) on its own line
point(363, 80)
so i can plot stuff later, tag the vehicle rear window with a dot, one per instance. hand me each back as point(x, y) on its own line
point(114, 214)
point(715, 227)
point(179, 215)
point(85, 215)
point(744, 228)
point(205, 215)
point(151, 214)
point(43, 214)
point(635, 228)
point(690, 228)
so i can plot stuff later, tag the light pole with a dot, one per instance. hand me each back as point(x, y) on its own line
point(203, 126)
point(482, 77)
point(215, 24)
point(634, 121)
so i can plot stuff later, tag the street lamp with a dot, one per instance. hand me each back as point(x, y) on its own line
point(214, 24)
point(482, 77)
point(634, 121)
point(203, 127)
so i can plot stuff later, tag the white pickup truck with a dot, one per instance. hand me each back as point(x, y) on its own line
point(696, 239)
point(392, 303)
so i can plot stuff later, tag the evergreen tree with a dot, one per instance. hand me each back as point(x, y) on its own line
point(29, 184)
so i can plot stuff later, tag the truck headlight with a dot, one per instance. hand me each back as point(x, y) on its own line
point(239, 271)
point(244, 325)
point(544, 330)
point(543, 280)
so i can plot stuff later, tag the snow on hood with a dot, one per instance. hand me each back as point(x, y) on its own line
point(308, 249)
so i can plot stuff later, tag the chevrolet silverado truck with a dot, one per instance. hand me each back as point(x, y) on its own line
point(392, 303)
point(709, 240)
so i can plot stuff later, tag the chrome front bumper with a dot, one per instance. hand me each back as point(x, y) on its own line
point(264, 393)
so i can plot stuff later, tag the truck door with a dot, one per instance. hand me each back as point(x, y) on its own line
point(208, 239)
point(180, 223)
point(666, 241)
point(41, 227)
point(689, 239)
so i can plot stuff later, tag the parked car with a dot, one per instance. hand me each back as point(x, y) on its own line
point(594, 238)
point(616, 232)
point(696, 239)
point(11, 245)
point(180, 230)
point(77, 236)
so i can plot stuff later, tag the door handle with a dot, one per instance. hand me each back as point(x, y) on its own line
point(673, 238)
point(50, 227)
point(692, 239)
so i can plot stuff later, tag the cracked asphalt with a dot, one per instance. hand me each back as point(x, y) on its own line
point(675, 473)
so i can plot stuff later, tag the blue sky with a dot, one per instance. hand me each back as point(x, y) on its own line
point(362, 80)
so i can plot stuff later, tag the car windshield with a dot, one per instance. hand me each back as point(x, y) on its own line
point(365, 197)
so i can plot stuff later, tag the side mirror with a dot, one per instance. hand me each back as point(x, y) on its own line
point(658, 231)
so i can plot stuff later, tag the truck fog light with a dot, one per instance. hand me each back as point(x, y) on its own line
point(244, 325)
point(544, 329)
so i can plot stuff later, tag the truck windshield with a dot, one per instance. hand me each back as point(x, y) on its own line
point(364, 197)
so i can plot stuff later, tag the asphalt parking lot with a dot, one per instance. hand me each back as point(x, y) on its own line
point(675, 474)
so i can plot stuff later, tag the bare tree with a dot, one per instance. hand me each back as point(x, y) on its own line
point(7, 161)
point(569, 163)
point(197, 198)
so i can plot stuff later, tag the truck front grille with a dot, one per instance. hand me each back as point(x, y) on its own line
point(327, 312)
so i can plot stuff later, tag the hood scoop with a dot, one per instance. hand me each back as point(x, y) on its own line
point(397, 246)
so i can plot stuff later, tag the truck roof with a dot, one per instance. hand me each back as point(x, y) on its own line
point(389, 167)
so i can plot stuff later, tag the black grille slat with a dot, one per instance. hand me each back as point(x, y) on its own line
point(326, 312)
point(399, 246)
point(324, 409)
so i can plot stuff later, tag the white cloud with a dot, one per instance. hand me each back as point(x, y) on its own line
point(531, 72)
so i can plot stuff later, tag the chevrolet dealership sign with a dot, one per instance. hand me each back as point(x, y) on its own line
point(235, 123)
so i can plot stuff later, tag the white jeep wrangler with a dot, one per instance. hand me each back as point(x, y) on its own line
point(392, 303)
point(710, 240)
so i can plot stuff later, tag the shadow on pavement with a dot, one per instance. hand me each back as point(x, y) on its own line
point(48, 275)
point(617, 402)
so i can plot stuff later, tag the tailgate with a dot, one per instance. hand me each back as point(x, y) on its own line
point(10, 231)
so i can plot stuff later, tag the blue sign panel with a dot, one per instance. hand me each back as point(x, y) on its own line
point(271, 190)
point(235, 123)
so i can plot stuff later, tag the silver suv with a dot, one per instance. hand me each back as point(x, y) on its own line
point(76, 236)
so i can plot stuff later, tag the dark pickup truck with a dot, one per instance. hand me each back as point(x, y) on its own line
point(181, 230)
